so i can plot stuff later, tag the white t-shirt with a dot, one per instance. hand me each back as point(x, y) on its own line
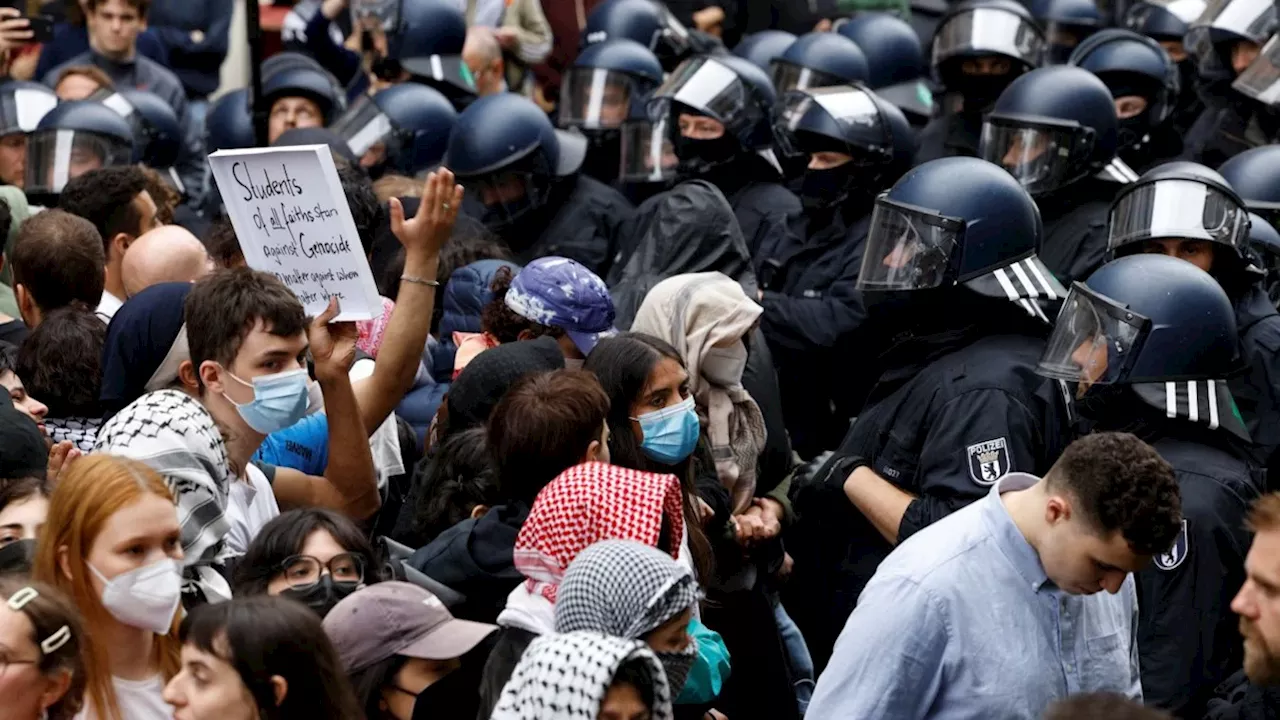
point(251, 504)
point(108, 305)
point(138, 699)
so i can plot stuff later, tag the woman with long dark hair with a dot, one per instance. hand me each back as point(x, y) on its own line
point(258, 657)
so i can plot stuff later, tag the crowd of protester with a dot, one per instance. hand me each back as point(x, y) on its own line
point(733, 359)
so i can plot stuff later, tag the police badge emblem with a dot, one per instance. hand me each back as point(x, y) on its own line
point(988, 461)
point(1173, 557)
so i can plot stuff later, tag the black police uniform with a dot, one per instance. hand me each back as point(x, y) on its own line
point(1187, 634)
point(1075, 228)
point(1228, 128)
point(584, 225)
point(944, 435)
point(1257, 392)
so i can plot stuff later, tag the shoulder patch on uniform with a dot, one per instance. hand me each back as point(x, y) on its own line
point(1173, 557)
point(988, 461)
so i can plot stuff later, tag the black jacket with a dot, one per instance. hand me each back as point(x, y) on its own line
point(766, 210)
point(583, 222)
point(1257, 392)
point(1227, 128)
point(813, 315)
point(950, 135)
point(474, 558)
point(943, 429)
point(1239, 699)
point(1187, 633)
point(1075, 228)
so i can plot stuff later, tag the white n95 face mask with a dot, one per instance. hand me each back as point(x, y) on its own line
point(146, 597)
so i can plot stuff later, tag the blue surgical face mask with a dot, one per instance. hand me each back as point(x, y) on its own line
point(670, 434)
point(279, 400)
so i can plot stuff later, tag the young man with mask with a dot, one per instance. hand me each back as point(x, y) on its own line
point(926, 641)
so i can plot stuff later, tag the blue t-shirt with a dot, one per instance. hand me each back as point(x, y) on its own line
point(303, 446)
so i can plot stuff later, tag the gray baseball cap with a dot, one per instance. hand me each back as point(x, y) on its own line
point(398, 618)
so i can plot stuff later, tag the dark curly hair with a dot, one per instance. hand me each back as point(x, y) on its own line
point(60, 362)
point(502, 322)
point(452, 481)
point(1120, 483)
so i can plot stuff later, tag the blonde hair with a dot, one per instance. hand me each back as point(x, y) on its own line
point(1265, 513)
point(92, 490)
point(397, 186)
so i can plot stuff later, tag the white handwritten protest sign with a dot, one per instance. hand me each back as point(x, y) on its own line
point(292, 219)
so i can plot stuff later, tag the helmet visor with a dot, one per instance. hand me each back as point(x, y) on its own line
point(22, 110)
point(789, 76)
point(1261, 80)
point(1247, 19)
point(907, 248)
point(709, 88)
point(1177, 209)
point(647, 153)
point(1040, 156)
point(379, 13)
point(595, 98)
point(1094, 340)
point(847, 119)
point(988, 31)
point(55, 157)
point(366, 129)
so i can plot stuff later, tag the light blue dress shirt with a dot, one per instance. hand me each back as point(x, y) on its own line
point(960, 621)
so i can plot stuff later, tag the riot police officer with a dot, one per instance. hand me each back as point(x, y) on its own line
point(855, 145)
point(229, 123)
point(1190, 212)
point(950, 268)
point(1066, 24)
point(524, 177)
point(1264, 241)
point(1055, 129)
point(1255, 176)
point(649, 23)
point(70, 140)
point(1148, 342)
point(22, 106)
point(1167, 23)
point(980, 47)
point(1143, 81)
point(895, 62)
point(819, 60)
point(428, 46)
point(1225, 41)
point(605, 91)
point(157, 137)
point(297, 97)
point(718, 112)
point(404, 128)
point(1260, 81)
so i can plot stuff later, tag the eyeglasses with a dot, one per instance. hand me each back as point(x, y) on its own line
point(304, 570)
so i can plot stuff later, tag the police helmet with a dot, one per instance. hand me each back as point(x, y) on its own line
point(958, 221)
point(761, 48)
point(301, 82)
point(229, 123)
point(70, 140)
point(1066, 24)
point(507, 153)
point(725, 88)
point(428, 44)
point(158, 137)
point(290, 60)
point(609, 83)
point(646, 22)
point(983, 28)
point(850, 120)
point(405, 127)
point(1255, 176)
point(1261, 80)
point(1224, 23)
point(819, 60)
point(1182, 201)
point(1132, 64)
point(895, 61)
point(22, 105)
point(1051, 127)
point(1163, 20)
point(1264, 241)
point(1158, 324)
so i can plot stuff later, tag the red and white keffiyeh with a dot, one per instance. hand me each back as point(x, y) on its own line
point(589, 503)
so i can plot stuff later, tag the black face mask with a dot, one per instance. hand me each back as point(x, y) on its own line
point(323, 595)
point(386, 68)
point(823, 188)
point(452, 696)
point(701, 157)
point(677, 666)
point(981, 91)
point(604, 155)
point(16, 557)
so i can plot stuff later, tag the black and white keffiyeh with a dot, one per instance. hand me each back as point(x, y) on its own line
point(622, 588)
point(566, 677)
point(79, 431)
point(173, 434)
